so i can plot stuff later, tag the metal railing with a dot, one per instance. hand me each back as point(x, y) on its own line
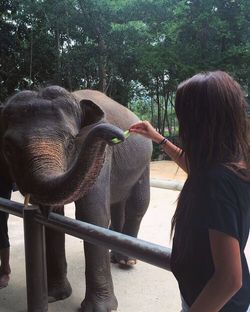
point(35, 257)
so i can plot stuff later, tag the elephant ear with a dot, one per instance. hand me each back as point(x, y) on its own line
point(92, 113)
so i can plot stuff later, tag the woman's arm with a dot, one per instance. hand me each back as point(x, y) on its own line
point(175, 153)
point(227, 277)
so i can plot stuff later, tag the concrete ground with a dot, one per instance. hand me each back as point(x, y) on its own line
point(143, 288)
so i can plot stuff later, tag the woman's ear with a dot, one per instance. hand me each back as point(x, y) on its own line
point(91, 112)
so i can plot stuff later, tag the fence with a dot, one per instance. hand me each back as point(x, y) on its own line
point(34, 239)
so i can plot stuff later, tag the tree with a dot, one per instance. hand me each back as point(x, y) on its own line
point(122, 47)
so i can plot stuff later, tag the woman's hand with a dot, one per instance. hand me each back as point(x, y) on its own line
point(146, 129)
point(175, 153)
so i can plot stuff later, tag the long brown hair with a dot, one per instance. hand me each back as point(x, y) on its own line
point(213, 125)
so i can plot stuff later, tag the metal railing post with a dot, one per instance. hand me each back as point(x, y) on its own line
point(35, 256)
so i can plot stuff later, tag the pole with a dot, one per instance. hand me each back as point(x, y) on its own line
point(36, 270)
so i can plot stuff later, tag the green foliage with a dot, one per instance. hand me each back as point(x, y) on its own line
point(136, 51)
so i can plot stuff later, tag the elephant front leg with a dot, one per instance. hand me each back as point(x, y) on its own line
point(99, 295)
point(94, 208)
point(58, 285)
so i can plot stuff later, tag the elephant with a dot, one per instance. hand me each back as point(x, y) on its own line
point(58, 148)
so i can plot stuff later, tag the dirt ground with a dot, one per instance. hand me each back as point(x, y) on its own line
point(165, 169)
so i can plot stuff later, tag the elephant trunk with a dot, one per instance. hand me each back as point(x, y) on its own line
point(44, 156)
point(62, 188)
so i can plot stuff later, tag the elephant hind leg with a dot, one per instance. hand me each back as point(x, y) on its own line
point(117, 224)
point(117, 211)
point(135, 208)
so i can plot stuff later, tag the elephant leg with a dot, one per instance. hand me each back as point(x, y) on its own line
point(58, 285)
point(99, 296)
point(117, 222)
point(136, 207)
point(117, 216)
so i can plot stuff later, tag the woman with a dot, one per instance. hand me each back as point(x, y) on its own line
point(212, 218)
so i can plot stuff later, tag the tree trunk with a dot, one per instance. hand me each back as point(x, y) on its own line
point(158, 106)
point(152, 110)
point(102, 64)
point(68, 63)
point(166, 116)
point(58, 46)
point(31, 54)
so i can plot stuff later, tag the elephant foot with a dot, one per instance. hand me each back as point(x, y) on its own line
point(4, 280)
point(59, 291)
point(123, 260)
point(95, 304)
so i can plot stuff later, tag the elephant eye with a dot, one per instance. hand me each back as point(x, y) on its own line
point(71, 145)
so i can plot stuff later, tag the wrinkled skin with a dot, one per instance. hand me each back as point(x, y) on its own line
point(58, 149)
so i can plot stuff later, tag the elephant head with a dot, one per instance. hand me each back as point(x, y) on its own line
point(54, 144)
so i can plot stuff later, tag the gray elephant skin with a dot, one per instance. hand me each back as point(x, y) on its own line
point(58, 148)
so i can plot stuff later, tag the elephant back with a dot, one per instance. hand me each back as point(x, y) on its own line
point(114, 112)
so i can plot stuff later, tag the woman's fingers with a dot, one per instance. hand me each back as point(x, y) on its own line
point(141, 125)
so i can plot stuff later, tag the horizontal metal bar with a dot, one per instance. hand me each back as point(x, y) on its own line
point(148, 252)
point(167, 184)
point(11, 207)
